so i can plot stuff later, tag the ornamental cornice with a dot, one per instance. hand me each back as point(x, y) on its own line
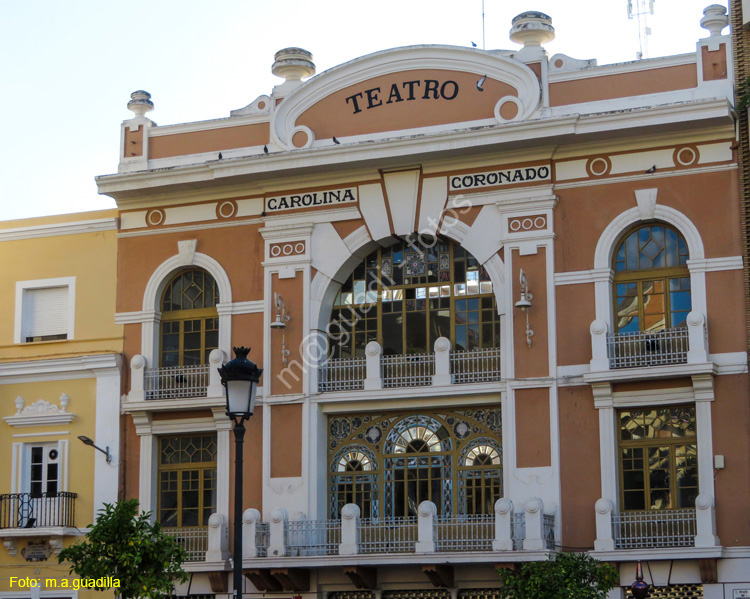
point(40, 413)
point(60, 368)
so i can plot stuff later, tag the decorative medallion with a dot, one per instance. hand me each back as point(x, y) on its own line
point(374, 434)
point(340, 428)
point(414, 265)
point(462, 430)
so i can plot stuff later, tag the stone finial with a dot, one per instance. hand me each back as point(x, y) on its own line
point(714, 19)
point(532, 28)
point(293, 64)
point(140, 103)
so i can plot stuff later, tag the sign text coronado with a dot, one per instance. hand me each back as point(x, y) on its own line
point(493, 178)
point(308, 200)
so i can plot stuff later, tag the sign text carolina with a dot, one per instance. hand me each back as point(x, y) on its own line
point(313, 199)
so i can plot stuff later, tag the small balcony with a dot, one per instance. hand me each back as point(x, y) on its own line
point(176, 382)
point(674, 351)
point(27, 511)
point(443, 367)
point(687, 528)
point(193, 539)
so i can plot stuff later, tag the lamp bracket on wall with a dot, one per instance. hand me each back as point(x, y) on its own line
point(524, 304)
point(280, 324)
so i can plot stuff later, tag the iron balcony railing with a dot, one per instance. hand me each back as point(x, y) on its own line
point(653, 348)
point(313, 537)
point(193, 539)
point(655, 528)
point(549, 531)
point(262, 538)
point(475, 366)
point(518, 530)
point(407, 370)
point(388, 535)
point(24, 510)
point(176, 382)
point(343, 374)
point(465, 533)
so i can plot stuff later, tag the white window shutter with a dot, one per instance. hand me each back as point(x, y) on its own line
point(45, 311)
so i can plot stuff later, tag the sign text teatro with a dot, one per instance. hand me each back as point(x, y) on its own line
point(504, 177)
point(313, 199)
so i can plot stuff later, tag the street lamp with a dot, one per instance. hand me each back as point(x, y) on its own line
point(240, 379)
point(639, 588)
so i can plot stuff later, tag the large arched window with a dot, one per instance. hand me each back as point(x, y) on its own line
point(189, 321)
point(388, 464)
point(407, 295)
point(652, 282)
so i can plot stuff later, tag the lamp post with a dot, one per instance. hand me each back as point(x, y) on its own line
point(640, 587)
point(240, 379)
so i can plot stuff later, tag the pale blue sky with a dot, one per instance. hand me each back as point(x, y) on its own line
point(69, 67)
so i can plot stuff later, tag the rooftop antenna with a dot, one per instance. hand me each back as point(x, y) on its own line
point(483, 45)
point(641, 9)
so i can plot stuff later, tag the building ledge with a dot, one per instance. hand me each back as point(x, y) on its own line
point(658, 553)
point(649, 372)
point(43, 531)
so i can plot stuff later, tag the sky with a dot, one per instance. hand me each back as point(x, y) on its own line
point(69, 67)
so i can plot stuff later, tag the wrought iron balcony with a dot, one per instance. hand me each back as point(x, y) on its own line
point(176, 382)
point(26, 510)
point(654, 348)
point(193, 539)
point(443, 367)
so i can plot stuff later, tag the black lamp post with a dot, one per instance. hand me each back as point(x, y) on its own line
point(240, 379)
point(639, 588)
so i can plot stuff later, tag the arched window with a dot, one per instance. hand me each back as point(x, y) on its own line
point(389, 463)
point(407, 295)
point(652, 282)
point(189, 321)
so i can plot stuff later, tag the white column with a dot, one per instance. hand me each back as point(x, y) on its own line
point(705, 516)
point(697, 350)
point(277, 529)
point(442, 374)
point(599, 357)
point(223, 444)
point(534, 540)
point(250, 521)
point(373, 352)
point(218, 540)
point(349, 530)
point(107, 429)
point(138, 366)
point(215, 360)
point(147, 478)
point(426, 520)
point(503, 525)
point(604, 540)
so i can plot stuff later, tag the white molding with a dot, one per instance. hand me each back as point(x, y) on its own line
point(191, 228)
point(210, 125)
point(623, 67)
point(576, 277)
point(75, 367)
point(730, 362)
point(47, 434)
point(138, 317)
point(649, 179)
point(716, 264)
point(73, 228)
point(649, 372)
point(22, 286)
point(666, 554)
point(41, 413)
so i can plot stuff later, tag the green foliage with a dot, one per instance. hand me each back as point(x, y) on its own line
point(567, 576)
point(126, 546)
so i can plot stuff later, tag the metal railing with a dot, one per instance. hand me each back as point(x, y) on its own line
point(388, 535)
point(407, 370)
point(22, 510)
point(475, 366)
point(343, 374)
point(549, 531)
point(465, 533)
point(313, 537)
point(518, 530)
point(656, 528)
point(654, 348)
point(262, 538)
point(175, 382)
point(193, 539)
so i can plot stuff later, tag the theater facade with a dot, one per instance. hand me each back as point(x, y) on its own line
point(498, 300)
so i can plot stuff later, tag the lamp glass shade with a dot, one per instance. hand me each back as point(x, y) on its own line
point(241, 397)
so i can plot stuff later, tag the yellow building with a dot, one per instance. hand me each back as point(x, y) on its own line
point(60, 381)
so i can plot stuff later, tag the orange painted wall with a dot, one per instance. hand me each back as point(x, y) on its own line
point(576, 310)
point(714, 63)
point(531, 361)
point(730, 415)
point(288, 379)
point(726, 311)
point(333, 116)
point(213, 140)
point(579, 457)
point(623, 85)
point(133, 142)
point(532, 428)
point(286, 440)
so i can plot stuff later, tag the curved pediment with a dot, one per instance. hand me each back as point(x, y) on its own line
point(424, 88)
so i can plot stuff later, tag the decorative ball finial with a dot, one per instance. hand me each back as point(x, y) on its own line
point(532, 28)
point(714, 19)
point(293, 64)
point(140, 103)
